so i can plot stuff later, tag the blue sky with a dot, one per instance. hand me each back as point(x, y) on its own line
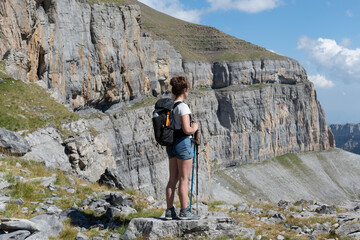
point(323, 35)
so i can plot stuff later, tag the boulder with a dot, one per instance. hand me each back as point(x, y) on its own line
point(14, 224)
point(46, 146)
point(51, 225)
point(210, 227)
point(12, 143)
point(351, 230)
point(17, 235)
point(38, 236)
point(118, 199)
point(81, 236)
point(325, 209)
point(242, 207)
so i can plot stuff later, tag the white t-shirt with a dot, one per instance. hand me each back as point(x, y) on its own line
point(180, 110)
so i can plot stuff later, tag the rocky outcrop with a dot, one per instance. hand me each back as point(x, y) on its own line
point(12, 143)
point(46, 147)
point(39, 227)
point(210, 227)
point(347, 136)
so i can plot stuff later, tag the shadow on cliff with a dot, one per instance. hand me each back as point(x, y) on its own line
point(225, 112)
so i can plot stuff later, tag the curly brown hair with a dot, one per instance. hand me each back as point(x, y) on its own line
point(178, 83)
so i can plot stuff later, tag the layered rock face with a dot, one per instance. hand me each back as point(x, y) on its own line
point(91, 55)
point(96, 55)
point(347, 136)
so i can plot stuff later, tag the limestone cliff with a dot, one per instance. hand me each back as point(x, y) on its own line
point(347, 136)
point(97, 56)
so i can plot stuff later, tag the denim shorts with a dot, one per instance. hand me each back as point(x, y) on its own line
point(182, 149)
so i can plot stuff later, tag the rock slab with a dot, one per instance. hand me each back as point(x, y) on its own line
point(12, 143)
point(210, 227)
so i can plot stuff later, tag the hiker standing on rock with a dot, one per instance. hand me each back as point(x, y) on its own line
point(181, 152)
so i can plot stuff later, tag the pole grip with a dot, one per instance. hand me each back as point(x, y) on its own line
point(196, 137)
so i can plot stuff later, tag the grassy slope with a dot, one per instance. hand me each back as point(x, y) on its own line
point(196, 42)
point(32, 192)
point(28, 106)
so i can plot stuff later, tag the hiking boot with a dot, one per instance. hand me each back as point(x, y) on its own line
point(186, 214)
point(170, 214)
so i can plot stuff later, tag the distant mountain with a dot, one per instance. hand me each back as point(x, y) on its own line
point(347, 136)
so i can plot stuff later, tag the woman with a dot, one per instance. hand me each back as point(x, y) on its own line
point(181, 152)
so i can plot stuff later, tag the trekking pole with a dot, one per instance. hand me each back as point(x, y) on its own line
point(197, 143)
point(197, 179)
point(192, 178)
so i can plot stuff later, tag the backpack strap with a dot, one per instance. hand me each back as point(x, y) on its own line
point(177, 104)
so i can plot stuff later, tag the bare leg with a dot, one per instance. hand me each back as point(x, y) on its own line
point(184, 167)
point(173, 179)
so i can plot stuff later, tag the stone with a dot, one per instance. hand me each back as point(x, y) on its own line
point(280, 237)
point(71, 180)
point(321, 228)
point(226, 207)
point(24, 210)
point(276, 218)
point(118, 199)
point(202, 208)
point(51, 225)
point(150, 199)
point(46, 145)
point(12, 143)
point(14, 224)
point(255, 210)
point(4, 184)
point(18, 201)
point(17, 235)
point(126, 210)
point(2, 207)
point(284, 204)
point(53, 210)
point(38, 236)
point(112, 212)
point(210, 227)
point(114, 236)
point(325, 209)
point(99, 205)
point(348, 230)
point(242, 207)
point(1, 80)
point(45, 181)
point(81, 236)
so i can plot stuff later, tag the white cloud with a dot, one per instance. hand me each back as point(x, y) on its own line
point(320, 81)
point(335, 60)
point(175, 8)
point(345, 42)
point(249, 6)
point(349, 13)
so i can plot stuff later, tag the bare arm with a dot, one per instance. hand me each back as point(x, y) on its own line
point(185, 125)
